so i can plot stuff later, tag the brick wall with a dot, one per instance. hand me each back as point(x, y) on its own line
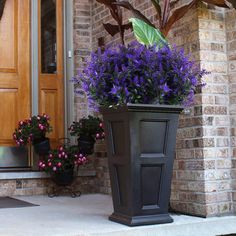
point(203, 178)
point(231, 48)
point(82, 48)
point(28, 187)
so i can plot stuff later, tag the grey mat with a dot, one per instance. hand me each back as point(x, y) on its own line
point(8, 202)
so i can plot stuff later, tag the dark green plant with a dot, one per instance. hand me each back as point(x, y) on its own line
point(89, 127)
point(62, 158)
point(32, 130)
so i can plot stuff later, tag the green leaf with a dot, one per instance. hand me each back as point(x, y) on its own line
point(147, 34)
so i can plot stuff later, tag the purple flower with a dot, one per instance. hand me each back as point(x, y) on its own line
point(139, 74)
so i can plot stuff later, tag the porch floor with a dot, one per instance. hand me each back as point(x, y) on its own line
point(88, 216)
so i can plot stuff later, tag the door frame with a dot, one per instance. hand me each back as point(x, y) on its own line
point(68, 61)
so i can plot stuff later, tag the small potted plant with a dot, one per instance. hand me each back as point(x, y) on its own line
point(33, 131)
point(88, 130)
point(61, 162)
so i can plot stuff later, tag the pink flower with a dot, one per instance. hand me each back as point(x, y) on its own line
point(97, 135)
point(41, 127)
point(101, 125)
point(54, 168)
point(59, 164)
point(50, 155)
point(38, 117)
point(59, 155)
point(61, 148)
point(49, 163)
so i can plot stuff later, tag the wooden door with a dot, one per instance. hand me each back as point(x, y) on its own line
point(51, 96)
point(14, 68)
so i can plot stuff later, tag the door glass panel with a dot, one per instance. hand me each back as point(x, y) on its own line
point(48, 37)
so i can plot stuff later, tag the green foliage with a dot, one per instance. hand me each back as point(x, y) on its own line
point(63, 158)
point(89, 127)
point(32, 130)
point(147, 34)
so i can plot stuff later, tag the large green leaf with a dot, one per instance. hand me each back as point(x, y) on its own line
point(146, 34)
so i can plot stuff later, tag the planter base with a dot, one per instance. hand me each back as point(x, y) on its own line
point(141, 220)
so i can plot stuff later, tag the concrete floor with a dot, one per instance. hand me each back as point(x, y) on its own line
point(88, 216)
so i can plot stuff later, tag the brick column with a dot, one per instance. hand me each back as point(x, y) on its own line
point(231, 47)
point(203, 173)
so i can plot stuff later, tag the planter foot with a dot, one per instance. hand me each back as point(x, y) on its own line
point(141, 220)
point(61, 189)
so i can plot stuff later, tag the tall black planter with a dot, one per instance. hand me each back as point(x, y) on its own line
point(141, 144)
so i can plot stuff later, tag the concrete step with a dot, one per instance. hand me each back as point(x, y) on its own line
point(88, 216)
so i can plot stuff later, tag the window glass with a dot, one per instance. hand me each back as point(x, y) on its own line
point(48, 37)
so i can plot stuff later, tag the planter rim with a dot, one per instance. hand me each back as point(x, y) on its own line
point(143, 108)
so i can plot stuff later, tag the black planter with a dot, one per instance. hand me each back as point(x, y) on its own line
point(64, 178)
point(86, 144)
point(42, 148)
point(141, 145)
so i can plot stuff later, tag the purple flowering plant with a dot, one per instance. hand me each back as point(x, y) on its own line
point(141, 74)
